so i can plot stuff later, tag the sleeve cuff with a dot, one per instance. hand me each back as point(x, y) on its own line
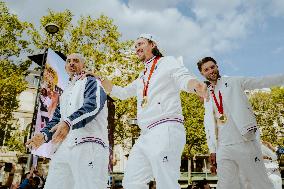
point(68, 122)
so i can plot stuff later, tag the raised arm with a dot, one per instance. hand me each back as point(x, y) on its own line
point(185, 80)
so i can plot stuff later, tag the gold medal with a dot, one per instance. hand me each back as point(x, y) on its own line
point(146, 83)
point(144, 102)
point(223, 118)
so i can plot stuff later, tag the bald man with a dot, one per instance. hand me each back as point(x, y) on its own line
point(79, 127)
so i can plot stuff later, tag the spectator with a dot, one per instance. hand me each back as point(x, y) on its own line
point(27, 182)
point(41, 179)
point(35, 183)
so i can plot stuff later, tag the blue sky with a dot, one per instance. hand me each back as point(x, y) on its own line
point(246, 37)
point(260, 54)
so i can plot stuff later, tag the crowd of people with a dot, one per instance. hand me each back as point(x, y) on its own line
point(32, 179)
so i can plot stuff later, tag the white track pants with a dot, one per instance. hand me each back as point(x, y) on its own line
point(82, 167)
point(245, 158)
point(156, 154)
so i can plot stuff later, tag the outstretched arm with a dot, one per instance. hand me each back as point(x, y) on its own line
point(122, 92)
point(250, 83)
point(116, 91)
point(185, 80)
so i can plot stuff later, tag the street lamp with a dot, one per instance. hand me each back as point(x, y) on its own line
point(51, 28)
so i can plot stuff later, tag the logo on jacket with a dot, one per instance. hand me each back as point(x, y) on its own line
point(91, 164)
point(256, 159)
point(165, 159)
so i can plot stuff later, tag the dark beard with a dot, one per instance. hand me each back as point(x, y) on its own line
point(213, 80)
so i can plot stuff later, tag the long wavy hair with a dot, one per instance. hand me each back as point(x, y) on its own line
point(155, 50)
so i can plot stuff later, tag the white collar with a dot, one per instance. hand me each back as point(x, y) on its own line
point(75, 77)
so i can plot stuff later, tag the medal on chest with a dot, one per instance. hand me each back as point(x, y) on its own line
point(144, 101)
point(222, 116)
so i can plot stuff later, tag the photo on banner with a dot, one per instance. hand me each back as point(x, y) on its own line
point(52, 85)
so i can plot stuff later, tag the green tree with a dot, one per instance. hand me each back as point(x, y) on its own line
point(12, 42)
point(12, 71)
point(269, 111)
point(193, 112)
point(15, 141)
point(12, 83)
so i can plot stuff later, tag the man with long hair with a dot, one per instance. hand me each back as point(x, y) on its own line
point(157, 151)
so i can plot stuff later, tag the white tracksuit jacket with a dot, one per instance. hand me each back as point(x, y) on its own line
point(240, 109)
point(169, 78)
point(83, 106)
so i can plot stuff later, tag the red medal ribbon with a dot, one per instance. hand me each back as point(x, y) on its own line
point(218, 105)
point(146, 85)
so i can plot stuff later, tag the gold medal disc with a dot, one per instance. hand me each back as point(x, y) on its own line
point(144, 102)
point(223, 118)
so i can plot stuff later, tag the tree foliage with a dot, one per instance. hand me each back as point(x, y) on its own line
point(269, 111)
point(12, 41)
point(15, 141)
point(12, 83)
point(193, 112)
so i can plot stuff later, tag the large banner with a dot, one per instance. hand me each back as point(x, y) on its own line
point(52, 85)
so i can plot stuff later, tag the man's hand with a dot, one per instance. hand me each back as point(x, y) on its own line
point(61, 130)
point(107, 84)
point(212, 161)
point(36, 141)
point(199, 88)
